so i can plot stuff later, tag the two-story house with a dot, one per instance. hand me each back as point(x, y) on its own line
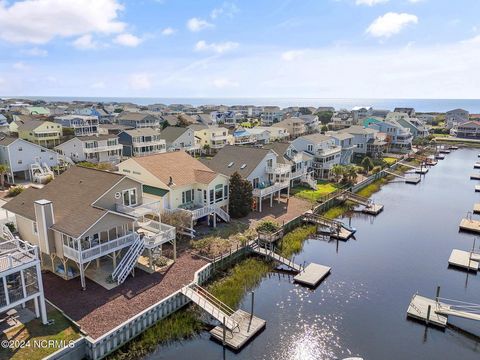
point(211, 137)
point(456, 117)
point(44, 133)
point(141, 142)
point(182, 184)
point(271, 115)
point(294, 126)
point(95, 149)
point(325, 153)
point(138, 120)
point(257, 165)
point(362, 137)
point(341, 120)
point(346, 142)
point(467, 130)
point(26, 160)
point(87, 215)
point(180, 138)
point(399, 138)
point(82, 125)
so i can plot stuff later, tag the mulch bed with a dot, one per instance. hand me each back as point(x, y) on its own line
point(98, 310)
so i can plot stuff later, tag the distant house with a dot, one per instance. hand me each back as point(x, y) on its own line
point(361, 112)
point(362, 137)
point(324, 150)
point(312, 123)
point(271, 115)
point(25, 160)
point(345, 141)
point(211, 137)
point(112, 129)
point(399, 138)
point(82, 125)
point(257, 165)
point(407, 110)
point(294, 126)
point(340, 120)
point(38, 110)
point(141, 142)
point(95, 149)
point(178, 138)
point(456, 117)
point(44, 133)
point(138, 120)
point(467, 130)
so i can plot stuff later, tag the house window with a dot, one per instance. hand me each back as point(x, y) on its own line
point(42, 150)
point(20, 149)
point(188, 196)
point(20, 161)
point(269, 162)
point(130, 197)
point(211, 196)
point(34, 228)
point(225, 192)
point(218, 193)
point(310, 147)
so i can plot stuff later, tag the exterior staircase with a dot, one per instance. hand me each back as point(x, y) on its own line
point(275, 257)
point(129, 260)
point(222, 214)
point(310, 181)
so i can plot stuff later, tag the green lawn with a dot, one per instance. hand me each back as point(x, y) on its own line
point(313, 195)
point(61, 329)
point(390, 160)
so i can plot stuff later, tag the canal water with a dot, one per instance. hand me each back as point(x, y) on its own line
point(360, 309)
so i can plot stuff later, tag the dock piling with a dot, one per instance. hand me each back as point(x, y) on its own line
point(428, 313)
point(437, 296)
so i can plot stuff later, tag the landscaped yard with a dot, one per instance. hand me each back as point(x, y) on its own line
point(34, 331)
point(307, 193)
point(390, 160)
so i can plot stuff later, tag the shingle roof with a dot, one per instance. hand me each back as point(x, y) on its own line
point(142, 132)
point(172, 133)
point(6, 140)
point(183, 168)
point(316, 138)
point(133, 116)
point(72, 194)
point(280, 148)
point(242, 159)
point(28, 123)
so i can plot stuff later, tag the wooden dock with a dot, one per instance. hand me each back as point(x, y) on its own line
point(476, 208)
point(475, 177)
point(418, 309)
point(464, 259)
point(470, 225)
point(476, 165)
point(440, 156)
point(369, 207)
point(477, 188)
point(412, 180)
point(249, 327)
point(335, 229)
point(312, 274)
point(373, 209)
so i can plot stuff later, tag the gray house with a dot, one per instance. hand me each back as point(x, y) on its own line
point(179, 138)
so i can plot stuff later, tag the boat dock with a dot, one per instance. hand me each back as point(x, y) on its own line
point(408, 179)
point(422, 308)
point(468, 224)
point(418, 170)
point(468, 260)
point(333, 228)
point(369, 206)
point(440, 156)
point(475, 177)
point(476, 208)
point(477, 188)
point(476, 165)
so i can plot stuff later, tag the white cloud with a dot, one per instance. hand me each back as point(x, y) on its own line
point(196, 24)
point(127, 39)
point(218, 48)
point(227, 9)
point(20, 65)
point(35, 51)
point(370, 2)
point(39, 21)
point(390, 24)
point(140, 81)
point(222, 83)
point(168, 31)
point(85, 42)
point(292, 55)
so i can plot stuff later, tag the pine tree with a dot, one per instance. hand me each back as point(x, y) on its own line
point(240, 203)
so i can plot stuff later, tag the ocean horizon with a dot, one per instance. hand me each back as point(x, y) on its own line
point(420, 105)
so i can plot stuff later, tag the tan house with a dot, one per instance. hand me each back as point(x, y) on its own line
point(92, 224)
point(294, 126)
point(181, 183)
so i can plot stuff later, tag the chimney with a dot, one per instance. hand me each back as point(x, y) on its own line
point(45, 219)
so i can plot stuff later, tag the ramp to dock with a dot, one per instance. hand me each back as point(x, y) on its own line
point(369, 205)
point(336, 228)
point(276, 257)
point(408, 180)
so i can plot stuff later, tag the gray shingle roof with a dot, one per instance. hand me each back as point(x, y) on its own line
point(171, 133)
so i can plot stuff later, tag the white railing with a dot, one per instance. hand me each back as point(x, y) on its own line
point(279, 169)
point(299, 173)
point(244, 140)
point(96, 149)
point(129, 260)
point(204, 211)
point(140, 210)
point(271, 189)
point(329, 151)
point(160, 143)
point(162, 233)
point(99, 250)
point(222, 213)
point(218, 146)
point(19, 253)
point(147, 124)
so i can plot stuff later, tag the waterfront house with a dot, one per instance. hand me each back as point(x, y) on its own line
point(82, 125)
point(294, 126)
point(141, 142)
point(26, 160)
point(91, 223)
point(406, 110)
point(467, 130)
point(138, 120)
point(44, 133)
point(399, 138)
point(325, 153)
point(257, 165)
point(456, 117)
point(95, 149)
point(346, 142)
point(210, 137)
point(181, 183)
point(179, 138)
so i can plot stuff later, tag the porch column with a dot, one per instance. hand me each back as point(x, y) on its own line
point(41, 298)
point(271, 199)
point(260, 203)
point(278, 199)
point(175, 249)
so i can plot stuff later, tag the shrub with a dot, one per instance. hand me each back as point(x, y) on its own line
point(268, 226)
point(15, 190)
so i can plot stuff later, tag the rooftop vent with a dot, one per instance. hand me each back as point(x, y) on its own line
point(243, 166)
point(230, 165)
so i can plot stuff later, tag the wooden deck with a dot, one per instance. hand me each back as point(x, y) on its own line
point(470, 225)
point(373, 209)
point(476, 165)
point(475, 177)
point(418, 309)
point(312, 274)
point(249, 327)
point(477, 188)
point(464, 259)
point(476, 208)
point(413, 180)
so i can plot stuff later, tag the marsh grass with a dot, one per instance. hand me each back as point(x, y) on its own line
point(292, 243)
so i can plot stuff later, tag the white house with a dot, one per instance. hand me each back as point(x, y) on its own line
point(95, 149)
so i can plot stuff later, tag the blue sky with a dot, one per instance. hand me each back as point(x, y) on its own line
point(262, 48)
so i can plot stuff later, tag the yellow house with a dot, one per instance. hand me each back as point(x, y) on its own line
point(211, 137)
point(40, 132)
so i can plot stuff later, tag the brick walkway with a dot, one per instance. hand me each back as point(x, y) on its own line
point(98, 310)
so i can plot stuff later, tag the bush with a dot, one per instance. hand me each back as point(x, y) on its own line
point(268, 226)
point(15, 190)
point(11, 227)
point(376, 169)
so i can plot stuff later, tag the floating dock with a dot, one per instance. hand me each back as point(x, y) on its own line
point(475, 177)
point(412, 180)
point(477, 188)
point(440, 156)
point(476, 165)
point(248, 327)
point(312, 274)
point(421, 170)
point(418, 309)
point(464, 259)
point(373, 209)
point(476, 208)
point(470, 225)
point(335, 229)
point(369, 207)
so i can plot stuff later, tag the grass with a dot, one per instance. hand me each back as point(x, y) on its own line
point(61, 329)
point(243, 277)
point(372, 188)
point(292, 243)
point(390, 160)
point(180, 325)
point(306, 193)
point(336, 211)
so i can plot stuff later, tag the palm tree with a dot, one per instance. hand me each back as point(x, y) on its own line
point(3, 171)
point(350, 174)
point(338, 172)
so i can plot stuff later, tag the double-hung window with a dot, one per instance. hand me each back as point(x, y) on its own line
point(130, 197)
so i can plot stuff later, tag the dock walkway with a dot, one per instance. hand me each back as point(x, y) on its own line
point(336, 229)
point(370, 207)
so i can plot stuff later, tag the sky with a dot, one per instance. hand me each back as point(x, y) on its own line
point(261, 48)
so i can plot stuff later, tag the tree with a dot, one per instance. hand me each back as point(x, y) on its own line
point(324, 116)
point(241, 198)
point(324, 129)
point(367, 164)
point(337, 171)
point(350, 173)
point(3, 171)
